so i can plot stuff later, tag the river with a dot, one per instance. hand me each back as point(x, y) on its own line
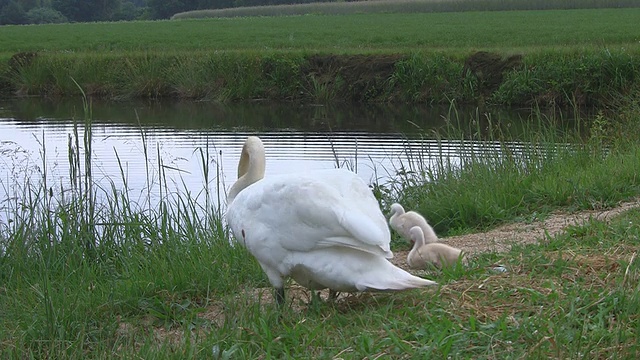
point(155, 147)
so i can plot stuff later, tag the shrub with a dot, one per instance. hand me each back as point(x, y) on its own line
point(45, 15)
point(12, 14)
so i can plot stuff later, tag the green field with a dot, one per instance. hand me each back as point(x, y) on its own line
point(405, 6)
point(506, 31)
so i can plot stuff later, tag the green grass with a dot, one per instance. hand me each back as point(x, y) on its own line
point(111, 279)
point(508, 31)
point(581, 78)
point(505, 182)
point(580, 57)
point(403, 6)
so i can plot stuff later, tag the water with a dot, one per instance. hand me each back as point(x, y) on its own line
point(163, 146)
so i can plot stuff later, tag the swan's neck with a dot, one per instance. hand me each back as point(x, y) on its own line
point(250, 169)
point(415, 254)
point(418, 240)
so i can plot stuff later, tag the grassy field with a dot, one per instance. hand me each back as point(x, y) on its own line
point(578, 56)
point(507, 31)
point(405, 6)
point(87, 279)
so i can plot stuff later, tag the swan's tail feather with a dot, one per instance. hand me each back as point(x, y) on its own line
point(401, 281)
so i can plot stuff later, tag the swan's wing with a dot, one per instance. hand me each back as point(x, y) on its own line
point(311, 211)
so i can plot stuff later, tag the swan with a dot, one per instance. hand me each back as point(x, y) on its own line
point(322, 228)
point(436, 253)
point(402, 222)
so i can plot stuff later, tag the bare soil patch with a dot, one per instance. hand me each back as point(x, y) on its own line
point(353, 77)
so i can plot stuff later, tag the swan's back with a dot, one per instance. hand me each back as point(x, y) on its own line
point(315, 209)
point(438, 254)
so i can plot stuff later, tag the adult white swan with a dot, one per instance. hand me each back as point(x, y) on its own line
point(402, 222)
point(322, 228)
point(436, 253)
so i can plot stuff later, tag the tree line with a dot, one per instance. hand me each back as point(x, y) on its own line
point(17, 12)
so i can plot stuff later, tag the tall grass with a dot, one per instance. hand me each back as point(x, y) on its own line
point(586, 78)
point(76, 258)
point(498, 180)
point(580, 56)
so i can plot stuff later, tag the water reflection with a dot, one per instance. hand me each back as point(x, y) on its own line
point(169, 145)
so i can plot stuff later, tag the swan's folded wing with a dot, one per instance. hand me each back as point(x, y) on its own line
point(312, 214)
point(309, 212)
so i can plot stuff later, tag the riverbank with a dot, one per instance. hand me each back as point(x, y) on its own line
point(546, 78)
point(87, 279)
point(581, 57)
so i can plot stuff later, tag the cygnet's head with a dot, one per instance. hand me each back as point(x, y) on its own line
point(396, 209)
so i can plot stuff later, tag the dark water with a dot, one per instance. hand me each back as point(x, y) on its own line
point(172, 145)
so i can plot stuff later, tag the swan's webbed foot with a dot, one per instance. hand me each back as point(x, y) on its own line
point(279, 296)
point(333, 295)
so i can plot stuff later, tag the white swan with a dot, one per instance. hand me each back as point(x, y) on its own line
point(436, 253)
point(402, 222)
point(322, 228)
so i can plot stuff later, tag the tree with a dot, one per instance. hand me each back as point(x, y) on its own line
point(44, 15)
point(87, 10)
point(13, 14)
point(128, 11)
point(164, 9)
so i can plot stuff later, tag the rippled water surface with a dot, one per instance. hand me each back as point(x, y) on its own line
point(155, 147)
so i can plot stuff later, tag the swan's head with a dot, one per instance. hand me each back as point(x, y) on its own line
point(253, 147)
point(251, 166)
point(416, 235)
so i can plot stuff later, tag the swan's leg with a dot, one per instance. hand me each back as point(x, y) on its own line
point(315, 297)
point(280, 296)
point(276, 281)
point(333, 295)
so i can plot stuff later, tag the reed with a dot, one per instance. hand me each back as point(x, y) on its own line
point(80, 257)
point(498, 180)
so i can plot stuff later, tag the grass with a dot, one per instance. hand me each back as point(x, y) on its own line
point(505, 182)
point(586, 78)
point(402, 6)
point(580, 56)
point(112, 279)
point(508, 31)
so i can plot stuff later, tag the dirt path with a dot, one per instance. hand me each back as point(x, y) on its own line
point(502, 238)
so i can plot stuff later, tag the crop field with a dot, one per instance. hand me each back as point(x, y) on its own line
point(459, 32)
